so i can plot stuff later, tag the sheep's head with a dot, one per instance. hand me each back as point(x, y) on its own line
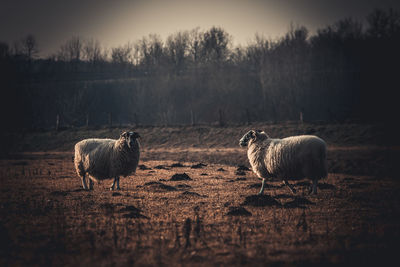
point(252, 135)
point(130, 138)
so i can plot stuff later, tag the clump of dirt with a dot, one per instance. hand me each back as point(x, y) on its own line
point(238, 211)
point(221, 170)
point(180, 177)
point(242, 173)
point(161, 167)
point(143, 167)
point(116, 194)
point(198, 166)
point(183, 186)
point(260, 201)
point(241, 179)
point(189, 194)
point(177, 165)
point(157, 186)
point(242, 168)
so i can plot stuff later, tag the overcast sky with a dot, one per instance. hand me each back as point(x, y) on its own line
point(115, 22)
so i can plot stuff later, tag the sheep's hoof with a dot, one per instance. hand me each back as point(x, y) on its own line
point(260, 194)
point(312, 193)
point(111, 188)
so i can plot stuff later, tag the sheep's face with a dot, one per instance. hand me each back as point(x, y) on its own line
point(251, 135)
point(130, 138)
point(244, 141)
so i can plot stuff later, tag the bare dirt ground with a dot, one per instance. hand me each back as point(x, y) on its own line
point(209, 217)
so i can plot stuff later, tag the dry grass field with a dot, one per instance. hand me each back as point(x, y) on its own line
point(209, 217)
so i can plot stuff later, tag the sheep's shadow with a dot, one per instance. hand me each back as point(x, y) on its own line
point(238, 211)
point(260, 201)
point(266, 186)
point(298, 202)
point(283, 196)
point(177, 165)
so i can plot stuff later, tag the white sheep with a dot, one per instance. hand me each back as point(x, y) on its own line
point(294, 157)
point(101, 159)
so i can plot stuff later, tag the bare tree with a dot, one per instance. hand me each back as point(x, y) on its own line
point(71, 50)
point(194, 43)
point(383, 24)
point(29, 47)
point(215, 45)
point(176, 47)
point(122, 54)
point(150, 51)
point(92, 51)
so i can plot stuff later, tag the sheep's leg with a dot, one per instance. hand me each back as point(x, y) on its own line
point(117, 183)
point(83, 178)
point(262, 187)
point(285, 182)
point(90, 184)
point(113, 184)
point(314, 186)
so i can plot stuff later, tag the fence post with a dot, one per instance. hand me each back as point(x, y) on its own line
point(57, 122)
point(301, 117)
point(221, 121)
point(192, 117)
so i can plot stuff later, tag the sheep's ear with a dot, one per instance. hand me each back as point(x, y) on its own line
point(124, 134)
point(256, 134)
point(135, 135)
point(252, 134)
point(265, 134)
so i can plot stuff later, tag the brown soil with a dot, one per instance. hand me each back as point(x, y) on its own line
point(214, 219)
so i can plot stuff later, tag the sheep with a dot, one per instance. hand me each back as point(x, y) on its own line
point(101, 159)
point(294, 157)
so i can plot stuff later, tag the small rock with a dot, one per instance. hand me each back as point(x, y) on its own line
point(198, 166)
point(180, 177)
point(242, 168)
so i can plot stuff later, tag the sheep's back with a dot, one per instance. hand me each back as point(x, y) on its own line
point(95, 156)
point(296, 157)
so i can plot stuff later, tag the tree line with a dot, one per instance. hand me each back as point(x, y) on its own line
point(345, 71)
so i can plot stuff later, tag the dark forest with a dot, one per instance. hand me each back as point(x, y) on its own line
point(345, 72)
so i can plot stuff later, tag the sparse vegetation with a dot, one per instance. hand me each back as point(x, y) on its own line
point(46, 218)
